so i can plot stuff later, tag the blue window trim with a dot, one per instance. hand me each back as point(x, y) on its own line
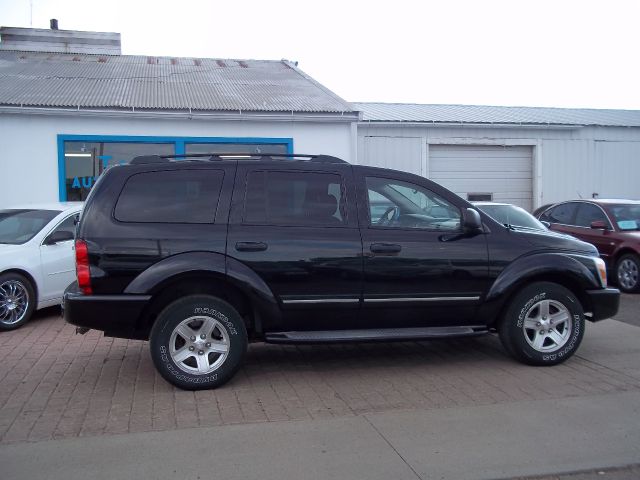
point(178, 142)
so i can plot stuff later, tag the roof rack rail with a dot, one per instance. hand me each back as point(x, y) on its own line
point(217, 156)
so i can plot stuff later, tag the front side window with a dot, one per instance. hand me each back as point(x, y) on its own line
point(173, 196)
point(393, 203)
point(294, 198)
point(20, 226)
point(588, 213)
point(561, 214)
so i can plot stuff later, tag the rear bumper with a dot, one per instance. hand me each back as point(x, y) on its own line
point(115, 315)
point(604, 303)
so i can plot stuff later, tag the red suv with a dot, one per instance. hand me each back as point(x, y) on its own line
point(613, 226)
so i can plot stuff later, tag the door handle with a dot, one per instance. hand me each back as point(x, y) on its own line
point(385, 248)
point(251, 246)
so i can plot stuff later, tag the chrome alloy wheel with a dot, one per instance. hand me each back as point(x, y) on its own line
point(628, 274)
point(199, 345)
point(14, 302)
point(547, 326)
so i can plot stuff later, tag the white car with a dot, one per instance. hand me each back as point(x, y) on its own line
point(37, 259)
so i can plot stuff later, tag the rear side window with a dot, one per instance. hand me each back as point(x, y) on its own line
point(294, 198)
point(561, 214)
point(175, 196)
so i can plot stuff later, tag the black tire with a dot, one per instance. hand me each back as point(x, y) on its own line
point(627, 273)
point(17, 300)
point(534, 338)
point(189, 317)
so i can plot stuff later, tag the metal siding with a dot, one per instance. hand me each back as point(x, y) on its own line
point(568, 170)
point(618, 167)
point(29, 171)
point(506, 172)
point(399, 153)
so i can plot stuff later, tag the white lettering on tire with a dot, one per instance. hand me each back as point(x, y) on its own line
point(219, 315)
point(525, 309)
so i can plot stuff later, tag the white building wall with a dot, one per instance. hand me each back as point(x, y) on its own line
point(567, 162)
point(29, 156)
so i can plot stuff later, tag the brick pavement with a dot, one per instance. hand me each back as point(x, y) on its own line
point(55, 384)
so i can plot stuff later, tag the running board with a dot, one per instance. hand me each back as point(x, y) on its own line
point(377, 334)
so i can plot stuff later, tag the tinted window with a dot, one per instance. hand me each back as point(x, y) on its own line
point(177, 196)
point(20, 226)
point(294, 198)
point(393, 203)
point(560, 214)
point(588, 213)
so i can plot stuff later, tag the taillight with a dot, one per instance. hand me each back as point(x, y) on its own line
point(82, 267)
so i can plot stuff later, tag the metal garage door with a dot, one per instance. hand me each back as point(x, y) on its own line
point(505, 173)
point(399, 153)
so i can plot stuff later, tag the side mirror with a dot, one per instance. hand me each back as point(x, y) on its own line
point(545, 223)
point(599, 225)
point(58, 236)
point(471, 221)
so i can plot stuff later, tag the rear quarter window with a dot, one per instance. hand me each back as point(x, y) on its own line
point(170, 196)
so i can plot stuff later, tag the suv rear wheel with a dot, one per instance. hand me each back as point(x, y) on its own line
point(543, 324)
point(198, 342)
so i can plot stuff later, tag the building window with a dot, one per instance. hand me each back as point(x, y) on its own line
point(85, 161)
point(265, 148)
point(480, 197)
point(82, 158)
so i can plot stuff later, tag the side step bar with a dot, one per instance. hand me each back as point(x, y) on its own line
point(377, 334)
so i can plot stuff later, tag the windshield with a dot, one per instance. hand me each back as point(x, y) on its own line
point(626, 216)
point(512, 215)
point(20, 226)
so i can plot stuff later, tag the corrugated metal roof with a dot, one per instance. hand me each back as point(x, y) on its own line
point(162, 83)
point(477, 114)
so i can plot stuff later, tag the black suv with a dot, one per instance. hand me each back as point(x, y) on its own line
point(202, 256)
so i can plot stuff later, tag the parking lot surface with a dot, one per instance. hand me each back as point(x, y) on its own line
point(56, 384)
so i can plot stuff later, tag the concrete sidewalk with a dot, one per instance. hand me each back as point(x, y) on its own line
point(486, 442)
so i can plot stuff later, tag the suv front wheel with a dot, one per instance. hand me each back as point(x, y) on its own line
point(543, 324)
point(198, 342)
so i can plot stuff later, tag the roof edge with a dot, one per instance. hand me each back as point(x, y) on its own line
point(258, 116)
point(300, 72)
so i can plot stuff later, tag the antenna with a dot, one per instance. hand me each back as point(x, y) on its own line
point(31, 13)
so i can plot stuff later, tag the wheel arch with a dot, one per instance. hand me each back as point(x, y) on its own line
point(555, 268)
point(29, 277)
point(206, 273)
point(623, 251)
